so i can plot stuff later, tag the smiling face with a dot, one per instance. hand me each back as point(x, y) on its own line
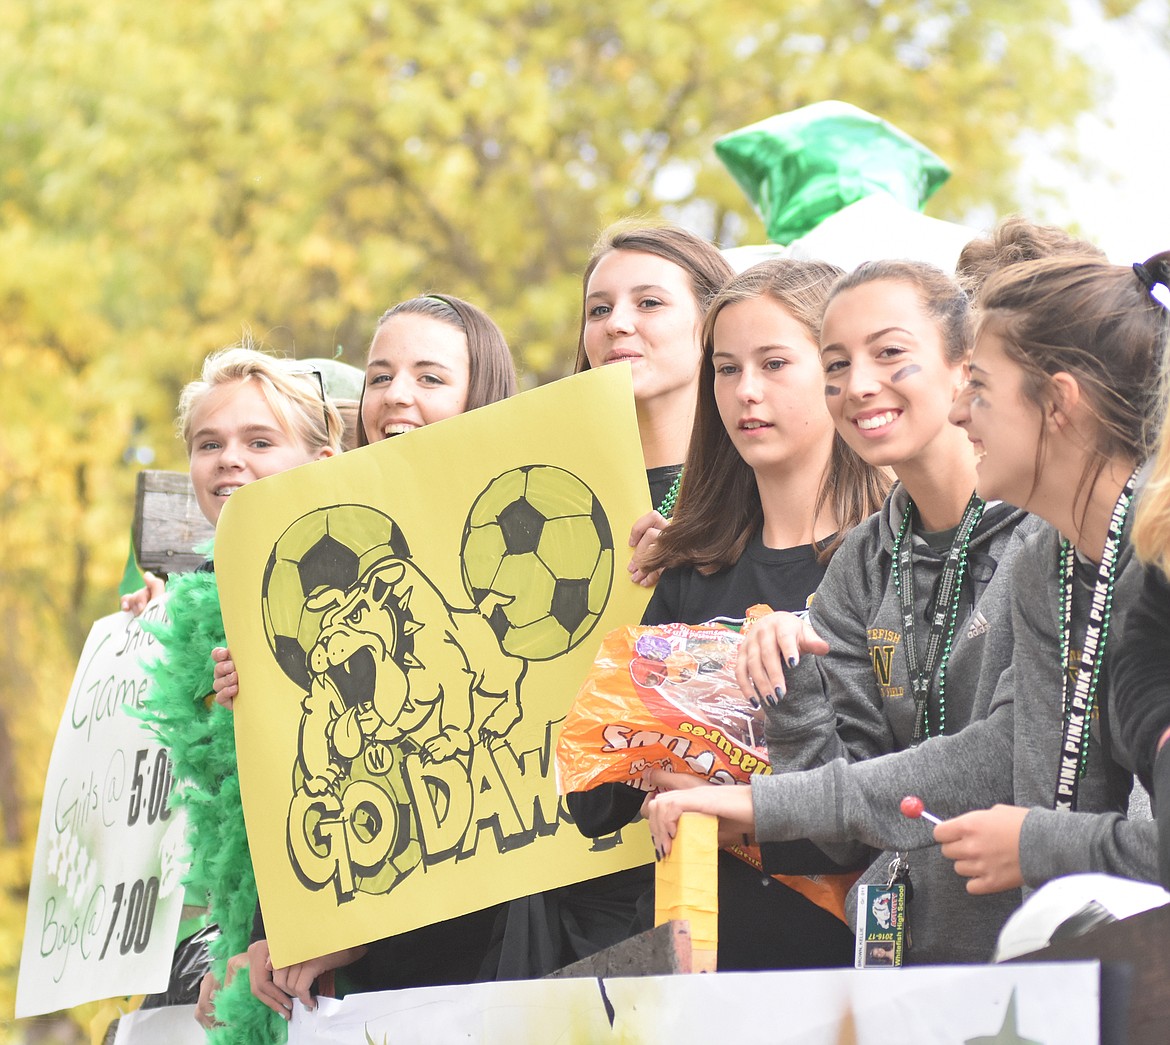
point(640, 310)
point(418, 373)
point(887, 382)
point(1004, 425)
point(236, 439)
point(768, 386)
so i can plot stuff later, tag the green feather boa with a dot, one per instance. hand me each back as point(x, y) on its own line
point(200, 737)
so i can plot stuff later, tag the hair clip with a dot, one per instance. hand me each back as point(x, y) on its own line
point(1154, 287)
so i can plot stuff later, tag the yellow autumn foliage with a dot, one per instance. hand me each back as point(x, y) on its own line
point(171, 174)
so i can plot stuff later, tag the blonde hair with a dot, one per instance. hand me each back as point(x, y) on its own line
point(289, 387)
point(1151, 526)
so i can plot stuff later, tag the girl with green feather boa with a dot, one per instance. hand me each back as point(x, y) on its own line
point(249, 416)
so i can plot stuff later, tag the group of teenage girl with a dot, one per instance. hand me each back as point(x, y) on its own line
point(933, 482)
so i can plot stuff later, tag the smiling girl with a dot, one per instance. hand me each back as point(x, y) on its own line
point(894, 622)
point(431, 358)
point(248, 416)
point(1064, 383)
point(240, 424)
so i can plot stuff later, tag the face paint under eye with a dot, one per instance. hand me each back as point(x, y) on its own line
point(907, 371)
point(832, 390)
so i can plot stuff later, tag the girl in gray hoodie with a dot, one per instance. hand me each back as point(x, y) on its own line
point(1063, 380)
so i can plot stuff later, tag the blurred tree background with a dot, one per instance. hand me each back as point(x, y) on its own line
point(173, 174)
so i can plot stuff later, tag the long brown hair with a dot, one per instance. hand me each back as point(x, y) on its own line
point(719, 510)
point(707, 268)
point(492, 373)
point(1101, 324)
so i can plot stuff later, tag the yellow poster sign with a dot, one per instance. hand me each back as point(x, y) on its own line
point(411, 622)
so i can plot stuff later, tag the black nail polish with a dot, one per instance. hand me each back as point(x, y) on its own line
point(754, 703)
point(792, 662)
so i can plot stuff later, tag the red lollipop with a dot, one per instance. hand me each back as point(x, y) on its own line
point(913, 808)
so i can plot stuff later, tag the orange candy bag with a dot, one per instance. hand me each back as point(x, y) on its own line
point(662, 697)
point(666, 697)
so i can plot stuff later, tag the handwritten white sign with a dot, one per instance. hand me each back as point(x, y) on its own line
point(105, 897)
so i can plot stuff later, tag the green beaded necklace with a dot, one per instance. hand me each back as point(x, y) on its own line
point(1080, 688)
point(942, 630)
point(666, 508)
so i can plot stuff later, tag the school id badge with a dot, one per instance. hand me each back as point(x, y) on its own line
point(881, 926)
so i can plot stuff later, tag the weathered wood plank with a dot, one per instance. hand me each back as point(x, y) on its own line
point(168, 524)
point(663, 951)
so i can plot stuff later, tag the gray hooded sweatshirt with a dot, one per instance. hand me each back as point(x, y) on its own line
point(857, 703)
point(1009, 752)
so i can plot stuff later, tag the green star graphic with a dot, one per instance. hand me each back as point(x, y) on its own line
point(1007, 1035)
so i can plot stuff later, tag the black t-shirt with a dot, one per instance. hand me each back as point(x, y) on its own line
point(762, 923)
point(783, 578)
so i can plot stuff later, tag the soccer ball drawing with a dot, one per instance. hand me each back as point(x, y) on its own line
point(324, 549)
point(539, 541)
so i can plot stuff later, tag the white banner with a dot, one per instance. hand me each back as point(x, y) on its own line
point(105, 897)
point(1055, 1003)
point(174, 1025)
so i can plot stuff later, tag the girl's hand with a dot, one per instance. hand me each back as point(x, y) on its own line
point(260, 980)
point(209, 987)
point(205, 1008)
point(731, 804)
point(296, 981)
point(985, 846)
point(226, 682)
point(643, 534)
point(770, 643)
point(137, 601)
